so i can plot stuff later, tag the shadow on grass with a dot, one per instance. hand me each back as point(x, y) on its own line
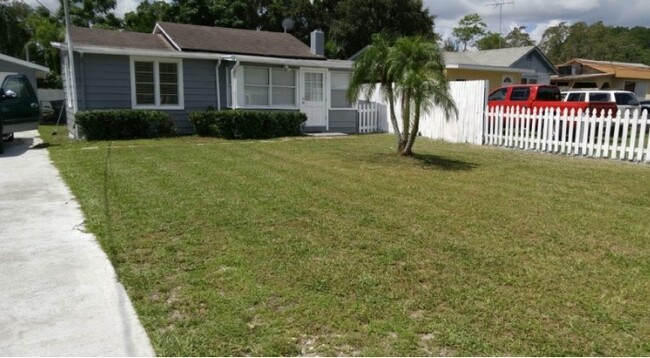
point(443, 163)
point(426, 161)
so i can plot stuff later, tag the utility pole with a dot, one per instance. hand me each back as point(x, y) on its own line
point(500, 5)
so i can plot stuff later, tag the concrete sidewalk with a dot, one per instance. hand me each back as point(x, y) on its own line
point(58, 292)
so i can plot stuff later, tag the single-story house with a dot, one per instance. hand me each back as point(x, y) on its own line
point(182, 68)
point(586, 74)
point(29, 69)
point(500, 67)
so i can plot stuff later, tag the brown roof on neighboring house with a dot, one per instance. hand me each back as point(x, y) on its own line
point(122, 39)
point(235, 41)
point(618, 69)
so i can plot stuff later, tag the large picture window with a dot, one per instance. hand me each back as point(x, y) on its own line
point(156, 83)
point(269, 87)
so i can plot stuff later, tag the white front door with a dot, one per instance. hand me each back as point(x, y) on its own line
point(312, 97)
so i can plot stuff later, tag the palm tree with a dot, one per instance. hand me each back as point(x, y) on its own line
point(417, 66)
point(372, 68)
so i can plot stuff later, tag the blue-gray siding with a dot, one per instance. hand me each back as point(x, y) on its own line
point(534, 62)
point(104, 82)
point(343, 121)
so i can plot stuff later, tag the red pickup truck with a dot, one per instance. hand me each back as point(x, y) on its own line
point(541, 97)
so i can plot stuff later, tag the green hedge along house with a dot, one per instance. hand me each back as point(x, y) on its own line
point(181, 69)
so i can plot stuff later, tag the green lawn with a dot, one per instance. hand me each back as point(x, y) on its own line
point(337, 247)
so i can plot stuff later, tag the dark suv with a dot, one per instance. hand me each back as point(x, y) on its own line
point(19, 108)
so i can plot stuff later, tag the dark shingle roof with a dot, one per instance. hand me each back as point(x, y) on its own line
point(122, 39)
point(236, 41)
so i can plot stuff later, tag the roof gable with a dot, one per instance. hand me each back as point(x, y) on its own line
point(504, 57)
point(234, 41)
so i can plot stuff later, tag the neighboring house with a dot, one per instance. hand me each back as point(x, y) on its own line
point(590, 74)
point(519, 65)
point(31, 70)
point(184, 68)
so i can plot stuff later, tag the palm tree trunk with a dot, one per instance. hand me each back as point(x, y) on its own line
point(408, 149)
point(406, 121)
point(393, 117)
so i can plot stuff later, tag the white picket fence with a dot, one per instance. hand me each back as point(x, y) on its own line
point(368, 117)
point(622, 135)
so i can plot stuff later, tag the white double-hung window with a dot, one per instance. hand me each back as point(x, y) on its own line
point(339, 91)
point(157, 83)
point(269, 87)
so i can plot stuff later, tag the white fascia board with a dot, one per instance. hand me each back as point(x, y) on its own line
point(20, 62)
point(138, 52)
point(460, 66)
point(343, 65)
point(336, 64)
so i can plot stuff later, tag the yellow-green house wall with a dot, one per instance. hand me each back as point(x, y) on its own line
point(495, 78)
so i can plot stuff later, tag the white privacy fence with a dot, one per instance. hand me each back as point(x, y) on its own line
point(470, 98)
point(622, 135)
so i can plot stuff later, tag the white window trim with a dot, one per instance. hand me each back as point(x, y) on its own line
point(353, 104)
point(270, 87)
point(156, 78)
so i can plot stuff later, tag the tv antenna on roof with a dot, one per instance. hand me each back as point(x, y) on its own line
point(500, 4)
point(287, 24)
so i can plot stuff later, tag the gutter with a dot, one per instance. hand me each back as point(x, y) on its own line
point(218, 85)
point(460, 66)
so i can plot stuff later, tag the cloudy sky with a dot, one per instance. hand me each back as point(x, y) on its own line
point(536, 15)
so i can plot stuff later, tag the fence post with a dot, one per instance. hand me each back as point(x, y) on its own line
point(644, 119)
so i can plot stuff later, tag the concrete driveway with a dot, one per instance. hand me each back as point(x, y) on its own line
point(58, 292)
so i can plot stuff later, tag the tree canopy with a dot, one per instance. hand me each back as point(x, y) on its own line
point(597, 41)
point(339, 19)
point(469, 27)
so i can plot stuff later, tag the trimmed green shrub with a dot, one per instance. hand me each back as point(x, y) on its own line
point(125, 124)
point(242, 124)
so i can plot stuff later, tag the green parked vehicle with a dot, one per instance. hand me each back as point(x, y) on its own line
point(19, 108)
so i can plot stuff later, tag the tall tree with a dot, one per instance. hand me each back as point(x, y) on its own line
point(518, 37)
point(45, 29)
point(491, 41)
point(450, 45)
point(146, 15)
point(356, 20)
point(14, 33)
point(469, 27)
point(553, 41)
point(87, 13)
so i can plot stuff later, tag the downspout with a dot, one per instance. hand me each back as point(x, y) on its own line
point(233, 83)
point(218, 85)
point(83, 82)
